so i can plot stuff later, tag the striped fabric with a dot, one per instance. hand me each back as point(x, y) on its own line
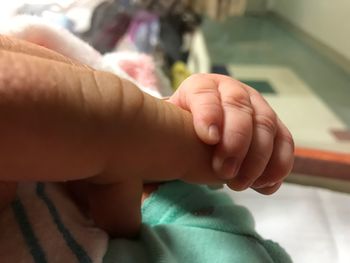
point(43, 225)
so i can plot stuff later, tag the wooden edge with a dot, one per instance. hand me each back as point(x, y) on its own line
point(320, 181)
point(322, 163)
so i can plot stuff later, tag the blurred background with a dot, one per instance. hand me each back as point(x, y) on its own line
point(296, 53)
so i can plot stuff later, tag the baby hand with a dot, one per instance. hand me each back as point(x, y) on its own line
point(253, 147)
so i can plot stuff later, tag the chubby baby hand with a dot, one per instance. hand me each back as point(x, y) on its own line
point(253, 147)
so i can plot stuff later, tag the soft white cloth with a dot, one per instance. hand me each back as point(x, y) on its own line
point(311, 223)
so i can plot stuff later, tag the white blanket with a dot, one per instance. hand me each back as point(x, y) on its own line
point(312, 224)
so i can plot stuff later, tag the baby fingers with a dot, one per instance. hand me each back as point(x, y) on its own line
point(207, 116)
point(270, 189)
point(270, 156)
point(281, 161)
point(261, 146)
point(237, 129)
point(199, 95)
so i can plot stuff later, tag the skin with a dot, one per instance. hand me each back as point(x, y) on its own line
point(89, 128)
point(253, 147)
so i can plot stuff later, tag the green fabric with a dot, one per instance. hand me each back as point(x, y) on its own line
point(184, 223)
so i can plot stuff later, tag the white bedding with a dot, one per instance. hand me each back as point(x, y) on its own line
point(312, 224)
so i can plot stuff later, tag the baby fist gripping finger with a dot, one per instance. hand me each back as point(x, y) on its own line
point(269, 158)
point(255, 148)
point(222, 113)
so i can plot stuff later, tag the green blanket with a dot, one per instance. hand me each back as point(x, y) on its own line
point(185, 223)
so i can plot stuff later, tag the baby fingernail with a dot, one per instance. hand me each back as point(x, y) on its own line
point(265, 185)
point(226, 168)
point(229, 168)
point(214, 133)
point(217, 164)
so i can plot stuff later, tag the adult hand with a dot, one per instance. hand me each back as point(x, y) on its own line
point(63, 121)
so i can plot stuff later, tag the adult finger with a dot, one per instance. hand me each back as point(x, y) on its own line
point(7, 193)
point(116, 208)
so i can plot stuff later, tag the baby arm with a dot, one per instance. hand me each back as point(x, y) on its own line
point(253, 148)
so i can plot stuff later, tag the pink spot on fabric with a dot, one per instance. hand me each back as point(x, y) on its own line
point(142, 70)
